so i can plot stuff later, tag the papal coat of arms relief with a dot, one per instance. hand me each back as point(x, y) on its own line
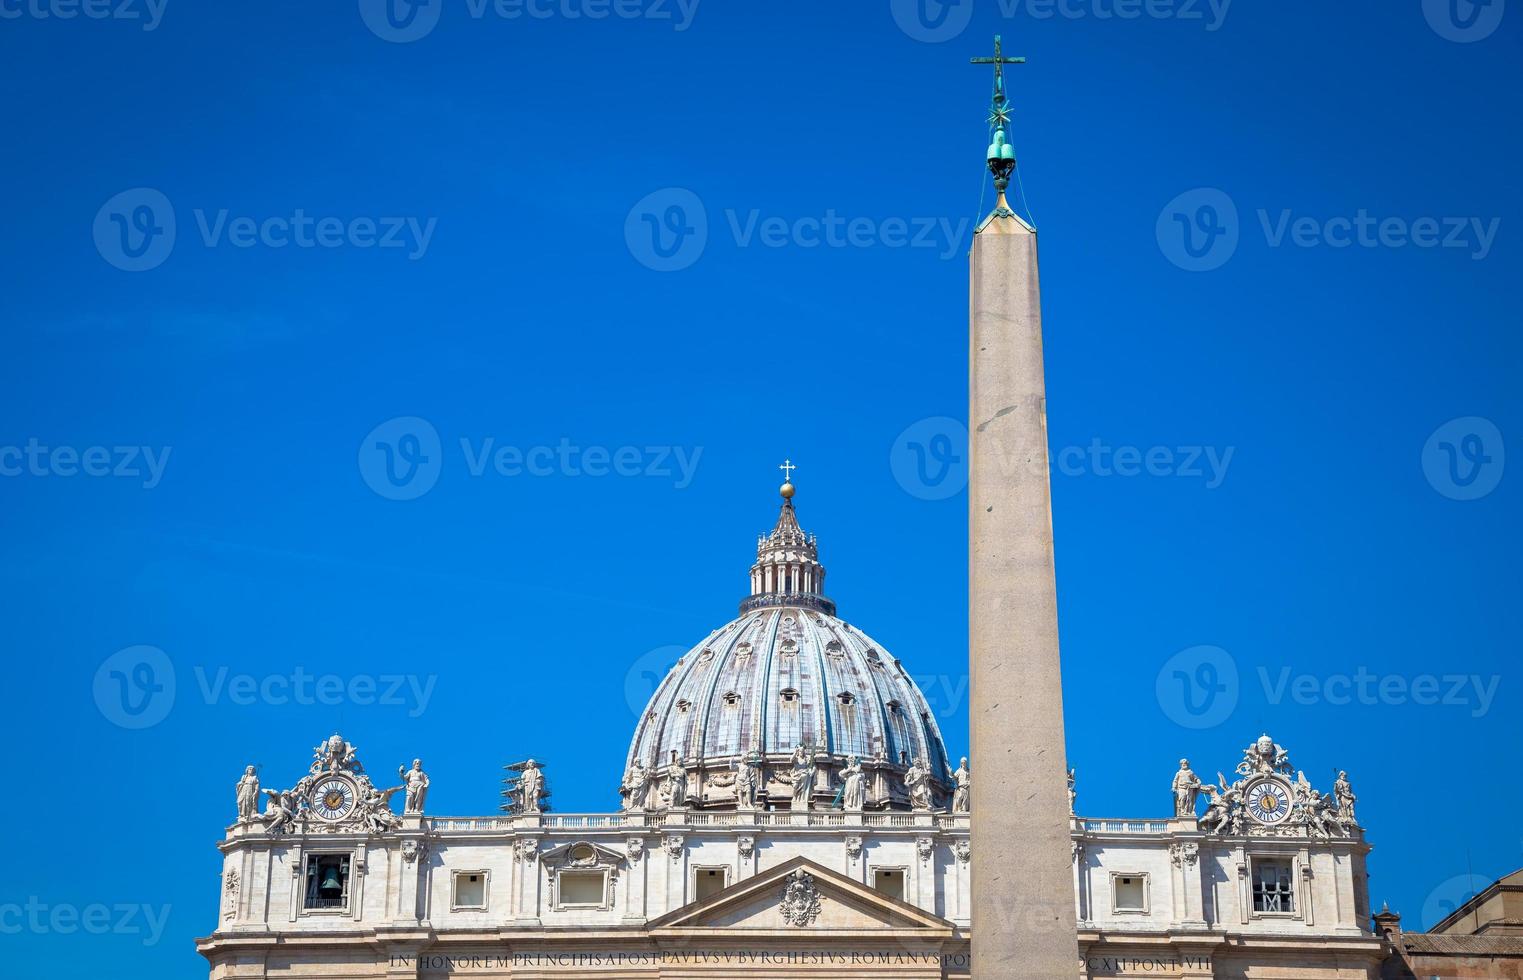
point(801, 899)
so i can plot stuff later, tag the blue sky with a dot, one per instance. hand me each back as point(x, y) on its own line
point(712, 238)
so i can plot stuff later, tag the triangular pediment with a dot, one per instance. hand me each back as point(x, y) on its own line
point(760, 903)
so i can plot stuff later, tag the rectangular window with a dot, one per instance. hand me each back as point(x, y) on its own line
point(470, 890)
point(327, 882)
point(1272, 886)
point(889, 881)
point(583, 888)
point(709, 881)
point(1129, 893)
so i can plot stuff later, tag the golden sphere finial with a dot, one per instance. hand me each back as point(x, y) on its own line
point(787, 488)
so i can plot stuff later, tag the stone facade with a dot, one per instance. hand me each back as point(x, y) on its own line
point(682, 892)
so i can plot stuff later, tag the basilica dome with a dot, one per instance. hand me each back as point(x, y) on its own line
point(786, 673)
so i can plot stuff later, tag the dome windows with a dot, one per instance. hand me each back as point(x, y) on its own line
point(763, 684)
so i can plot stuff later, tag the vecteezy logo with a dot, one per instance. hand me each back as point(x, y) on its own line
point(135, 688)
point(401, 459)
point(1464, 21)
point(667, 230)
point(1198, 687)
point(645, 676)
point(930, 458)
point(1198, 230)
point(400, 21)
point(932, 21)
point(135, 230)
point(1465, 458)
point(1448, 896)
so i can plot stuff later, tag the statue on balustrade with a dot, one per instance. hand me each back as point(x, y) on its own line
point(415, 781)
point(962, 796)
point(1186, 790)
point(674, 788)
point(636, 787)
point(747, 774)
point(531, 787)
point(917, 782)
point(801, 777)
point(854, 785)
point(248, 796)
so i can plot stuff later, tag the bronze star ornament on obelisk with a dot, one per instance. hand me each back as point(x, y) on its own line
point(1023, 893)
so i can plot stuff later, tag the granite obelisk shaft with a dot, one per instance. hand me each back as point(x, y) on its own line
point(1022, 877)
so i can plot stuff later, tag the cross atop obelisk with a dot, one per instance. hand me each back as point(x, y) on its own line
point(1023, 922)
point(999, 61)
point(1001, 153)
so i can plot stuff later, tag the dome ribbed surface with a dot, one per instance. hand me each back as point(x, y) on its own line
point(778, 677)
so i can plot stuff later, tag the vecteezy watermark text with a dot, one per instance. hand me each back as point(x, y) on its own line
point(832, 230)
point(1200, 230)
point(1367, 688)
point(668, 230)
point(136, 688)
point(96, 919)
point(1475, 235)
point(150, 13)
point(401, 459)
point(929, 460)
point(1199, 688)
point(145, 463)
point(566, 458)
point(304, 231)
point(935, 21)
point(402, 21)
point(136, 230)
point(302, 688)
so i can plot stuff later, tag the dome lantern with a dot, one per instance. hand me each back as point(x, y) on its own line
point(788, 570)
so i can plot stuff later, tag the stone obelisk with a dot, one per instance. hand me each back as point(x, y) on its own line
point(1023, 893)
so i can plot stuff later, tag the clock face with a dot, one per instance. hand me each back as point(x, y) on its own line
point(333, 799)
point(1268, 801)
